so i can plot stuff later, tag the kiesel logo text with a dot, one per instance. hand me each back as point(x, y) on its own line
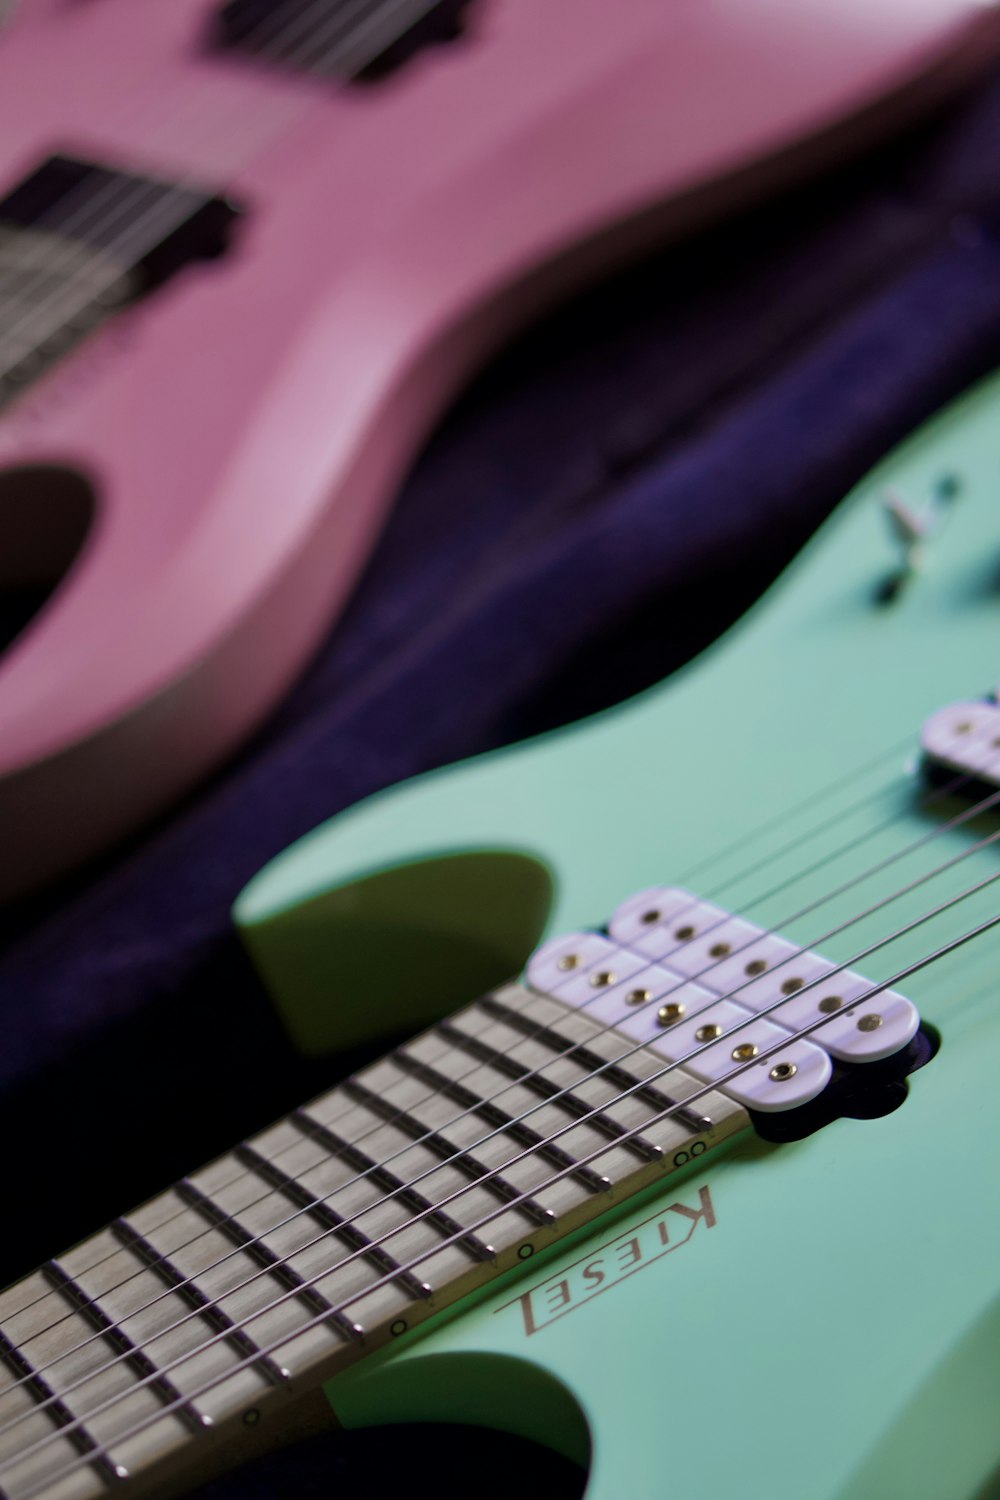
point(613, 1262)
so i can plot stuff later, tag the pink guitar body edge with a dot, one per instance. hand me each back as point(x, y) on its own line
point(243, 428)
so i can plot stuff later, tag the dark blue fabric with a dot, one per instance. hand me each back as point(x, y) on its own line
point(615, 490)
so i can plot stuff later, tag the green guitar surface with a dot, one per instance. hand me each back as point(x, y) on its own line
point(834, 1334)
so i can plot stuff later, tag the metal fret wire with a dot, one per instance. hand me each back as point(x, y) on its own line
point(392, 5)
point(695, 977)
point(339, 20)
point(260, 34)
point(831, 788)
point(738, 1027)
point(926, 801)
point(778, 1046)
point(899, 977)
point(181, 189)
point(445, 1125)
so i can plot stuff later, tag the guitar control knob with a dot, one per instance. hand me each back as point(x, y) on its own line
point(913, 528)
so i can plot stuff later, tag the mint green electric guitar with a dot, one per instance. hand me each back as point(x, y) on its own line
point(706, 1197)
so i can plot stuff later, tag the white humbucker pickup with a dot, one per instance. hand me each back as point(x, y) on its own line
point(966, 737)
point(711, 990)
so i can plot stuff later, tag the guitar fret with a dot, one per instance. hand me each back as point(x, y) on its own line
point(339, 1228)
point(437, 1218)
point(621, 1077)
point(445, 1151)
point(218, 1320)
point(78, 1434)
point(499, 1119)
point(286, 1275)
point(123, 1346)
point(332, 1221)
point(545, 1089)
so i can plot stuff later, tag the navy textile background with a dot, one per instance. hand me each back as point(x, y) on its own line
point(613, 491)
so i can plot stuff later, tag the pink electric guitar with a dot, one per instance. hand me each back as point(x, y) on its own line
point(248, 250)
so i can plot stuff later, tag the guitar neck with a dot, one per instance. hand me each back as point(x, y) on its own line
point(335, 1231)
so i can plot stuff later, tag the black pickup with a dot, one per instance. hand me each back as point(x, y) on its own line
point(79, 239)
point(344, 39)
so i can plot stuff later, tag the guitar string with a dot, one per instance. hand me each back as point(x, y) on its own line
point(325, 61)
point(178, 191)
point(988, 804)
point(128, 194)
point(820, 828)
point(556, 1057)
point(927, 800)
point(372, 18)
point(83, 1459)
point(737, 950)
point(781, 1044)
point(602, 1150)
point(780, 1001)
point(52, 219)
point(339, 21)
point(807, 804)
point(194, 183)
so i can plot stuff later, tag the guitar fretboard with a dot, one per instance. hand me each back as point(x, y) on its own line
point(336, 1230)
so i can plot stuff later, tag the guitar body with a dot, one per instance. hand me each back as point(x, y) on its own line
point(216, 460)
point(823, 1323)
